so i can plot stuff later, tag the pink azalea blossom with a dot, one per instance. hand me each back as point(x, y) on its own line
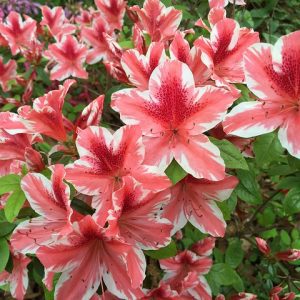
point(17, 148)
point(263, 246)
point(204, 247)
point(139, 67)
point(193, 200)
point(223, 52)
point(105, 159)
point(87, 256)
point(18, 33)
point(51, 199)
point(95, 36)
point(112, 11)
point(91, 114)
point(56, 22)
point(184, 273)
point(272, 74)
point(18, 278)
point(288, 255)
point(8, 72)
point(135, 211)
point(243, 296)
point(180, 50)
point(173, 115)
point(45, 117)
point(158, 21)
point(223, 3)
point(68, 55)
point(163, 292)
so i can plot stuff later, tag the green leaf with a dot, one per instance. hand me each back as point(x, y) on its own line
point(288, 182)
point(291, 202)
point(285, 238)
point(231, 155)
point(9, 183)
point(248, 188)
point(6, 228)
point(126, 44)
point(234, 254)
point(4, 254)
point(14, 204)
point(223, 274)
point(165, 252)
point(175, 172)
point(267, 148)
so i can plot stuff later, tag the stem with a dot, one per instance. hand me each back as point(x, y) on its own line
point(262, 206)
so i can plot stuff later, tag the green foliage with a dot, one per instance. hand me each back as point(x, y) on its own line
point(175, 172)
point(164, 252)
point(11, 184)
point(4, 253)
point(232, 156)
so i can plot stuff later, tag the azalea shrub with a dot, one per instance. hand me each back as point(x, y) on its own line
point(149, 150)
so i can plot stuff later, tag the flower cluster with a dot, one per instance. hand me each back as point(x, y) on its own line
point(177, 96)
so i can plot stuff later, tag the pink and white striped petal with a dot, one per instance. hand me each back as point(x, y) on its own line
point(252, 118)
point(289, 134)
point(199, 157)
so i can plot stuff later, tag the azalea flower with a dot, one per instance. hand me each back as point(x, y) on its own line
point(44, 117)
point(193, 200)
point(184, 273)
point(223, 52)
point(288, 255)
point(91, 114)
point(180, 50)
point(243, 296)
point(8, 72)
point(95, 36)
point(223, 3)
point(273, 75)
point(158, 21)
point(18, 278)
point(112, 11)
point(18, 33)
point(87, 256)
point(163, 292)
point(139, 67)
point(18, 148)
point(68, 56)
point(263, 246)
point(135, 211)
point(173, 115)
point(56, 22)
point(204, 247)
point(105, 159)
point(51, 200)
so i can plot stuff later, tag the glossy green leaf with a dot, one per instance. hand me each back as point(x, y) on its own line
point(291, 201)
point(164, 252)
point(231, 155)
point(13, 204)
point(4, 254)
point(175, 172)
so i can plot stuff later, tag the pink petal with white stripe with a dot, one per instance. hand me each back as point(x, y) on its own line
point(199, 157)
point(51, 200)
point(139, 67)
point(91, 114)
point(68, 56)
point(253, 118)
point(19, 277)
point(289, 134)
point(197, 197)
point(86, 256)
point(137, 210)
